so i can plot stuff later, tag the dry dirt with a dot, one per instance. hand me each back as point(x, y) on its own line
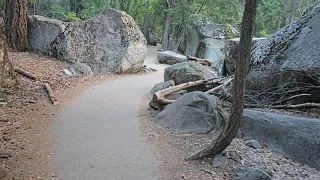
point(26, 147)
point(172, 150)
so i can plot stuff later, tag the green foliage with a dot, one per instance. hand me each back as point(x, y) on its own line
point(72, 17)
point(272, 14)
point(263, 33)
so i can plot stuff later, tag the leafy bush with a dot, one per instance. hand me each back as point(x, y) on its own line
point(72, 17)
point(263, 33)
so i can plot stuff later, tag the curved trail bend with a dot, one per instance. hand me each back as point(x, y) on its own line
point(99, 136)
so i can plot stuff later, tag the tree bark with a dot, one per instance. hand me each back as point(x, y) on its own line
point(231, 128)
point(146, 21)
point(7, 74)
point(16, 24)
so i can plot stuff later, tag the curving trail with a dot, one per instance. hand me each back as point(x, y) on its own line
point(99, 137)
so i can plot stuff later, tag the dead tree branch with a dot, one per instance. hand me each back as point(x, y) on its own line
point(25, 73)
point(51, 94)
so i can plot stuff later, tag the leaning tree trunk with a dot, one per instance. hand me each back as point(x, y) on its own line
point(16, 24)
point(7, 74)
point(146, 21)
point(229, 132)
point(166, 32)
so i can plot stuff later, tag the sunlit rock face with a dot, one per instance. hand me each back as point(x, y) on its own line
point(111, 42)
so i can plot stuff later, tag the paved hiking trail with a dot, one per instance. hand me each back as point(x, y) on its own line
point(99, 137)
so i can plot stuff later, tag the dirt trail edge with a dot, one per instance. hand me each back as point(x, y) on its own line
point(99, 137)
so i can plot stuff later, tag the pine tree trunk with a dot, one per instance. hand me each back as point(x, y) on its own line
point(16, 24)
point(7, 74)
point(146, 21)
point(232, 126)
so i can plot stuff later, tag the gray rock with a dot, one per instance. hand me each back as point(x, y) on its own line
point(219, 161)
point(296, 138)
point(187, 72)
point(189, 43)
point(212, 49)
point(162, 85)
point(253, 143)
point(231, 50)
point(110, 42)
point(255, 174)
point(209, 29)
point(152, 40)
point(194, 112)
point(290, 55)
point(80, 69)
point(170, 57)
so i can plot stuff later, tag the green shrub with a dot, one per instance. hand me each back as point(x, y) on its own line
point(72, 17)
point(263, 33)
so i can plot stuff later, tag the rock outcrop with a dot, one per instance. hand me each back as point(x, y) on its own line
point(231, 51)
point(110, 42)
point(170, 57)
point(291, 56)
point(294, 137)
point(187, 72)
point(194, 112)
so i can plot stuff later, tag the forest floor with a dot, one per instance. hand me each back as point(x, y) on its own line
point(26, 146)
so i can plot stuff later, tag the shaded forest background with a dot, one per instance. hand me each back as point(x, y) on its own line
point(154, 15)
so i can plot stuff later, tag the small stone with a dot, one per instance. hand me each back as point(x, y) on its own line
point(255, 174)
point(253, 143)
point(219, 161)
point(5, 155)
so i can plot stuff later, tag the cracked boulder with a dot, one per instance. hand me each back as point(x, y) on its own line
point(110, 42)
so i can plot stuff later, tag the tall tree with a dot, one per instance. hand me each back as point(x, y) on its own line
point(146, 21)
point(231, 128)
point(7, 74)
point(166, 32)
point(16, 24)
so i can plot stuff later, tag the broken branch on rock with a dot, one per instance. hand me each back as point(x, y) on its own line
point(206, 62)
point(51, 94)
point(25, 73)
point(226, 83)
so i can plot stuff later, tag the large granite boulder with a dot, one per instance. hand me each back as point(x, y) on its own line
point(152, 39)
point(194, 112)
point(210, 48)
point(170, 57)
point(291, 56)
point(187, 72)
point(294, 137)
point(110, 42)
point(231, 51)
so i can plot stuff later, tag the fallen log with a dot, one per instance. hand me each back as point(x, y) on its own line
point(159, 96)
point(206, 62)
point(220, 86)
point(51, 94)
point(25, 73)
